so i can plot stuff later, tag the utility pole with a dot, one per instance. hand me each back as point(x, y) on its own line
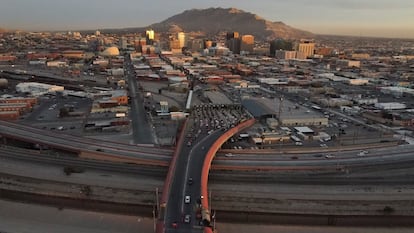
point(154, 219)
point(155, 210)
point(157, 198)
point(280, 109)
point(209, 197)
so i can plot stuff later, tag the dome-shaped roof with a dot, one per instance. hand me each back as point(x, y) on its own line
point(111, 51)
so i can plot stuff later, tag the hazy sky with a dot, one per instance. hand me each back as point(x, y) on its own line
point(389, 18)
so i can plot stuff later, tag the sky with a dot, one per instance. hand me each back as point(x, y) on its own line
point(382, 18)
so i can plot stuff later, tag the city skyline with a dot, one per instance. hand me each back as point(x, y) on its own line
point(360, 18)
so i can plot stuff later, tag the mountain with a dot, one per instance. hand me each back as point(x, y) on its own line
point(212, 21)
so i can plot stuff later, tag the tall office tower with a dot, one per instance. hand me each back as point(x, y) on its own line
point(181, 39)
point(247, 43)
point(233, 42)
point(306, 48)
point(150, 35)
point(280, 44)
point(231, 35)
point(123, 43)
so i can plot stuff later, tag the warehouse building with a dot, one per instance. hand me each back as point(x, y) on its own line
point(287, 113)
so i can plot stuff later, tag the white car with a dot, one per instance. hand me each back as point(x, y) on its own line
point(187, 200)
point(187, 218)
point(362, 153)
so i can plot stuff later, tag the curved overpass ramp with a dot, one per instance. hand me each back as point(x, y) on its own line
point(207, 165)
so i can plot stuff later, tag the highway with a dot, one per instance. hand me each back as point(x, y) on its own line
point(231, 178)
point(399, 154)
point(141, 129)
point(190, 163)
point(192, 158)
point(78, 144)
point(184, 207)
point(48, 157)
point(253, 160)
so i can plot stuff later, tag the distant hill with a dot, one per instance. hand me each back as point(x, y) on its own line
point(212, 21)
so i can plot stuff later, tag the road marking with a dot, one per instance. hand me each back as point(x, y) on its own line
point(186, 171)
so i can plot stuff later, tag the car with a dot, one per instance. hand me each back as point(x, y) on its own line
point(198, 213)
point(229, 155)
point(174, 225)
point(190, 181)
point(187, 200)
point(298, 143)
point(187, 218)
point(362, 153)
point(328, 156)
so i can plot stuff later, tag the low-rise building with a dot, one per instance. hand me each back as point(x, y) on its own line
point(37, 89)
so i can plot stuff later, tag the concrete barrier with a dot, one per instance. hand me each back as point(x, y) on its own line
point(160, 226)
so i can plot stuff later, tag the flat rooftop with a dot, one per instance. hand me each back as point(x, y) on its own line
point(264, 106)
point(217, 97)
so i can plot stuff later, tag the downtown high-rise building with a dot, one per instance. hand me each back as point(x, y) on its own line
point(247, 43)
point(181, 39)
point(123, 43)
point(305, 49)
point(150, 36)
point(233, 42)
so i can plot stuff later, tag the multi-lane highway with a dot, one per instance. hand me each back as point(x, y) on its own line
point(184, 208)
point(248, 161)
point(200, 136)
point(186, 183)
point(80, 144)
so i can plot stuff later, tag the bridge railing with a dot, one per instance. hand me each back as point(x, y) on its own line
point(160, 228)
point(209, 158)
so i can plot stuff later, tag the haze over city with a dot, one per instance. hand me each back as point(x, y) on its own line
point(379, 18)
